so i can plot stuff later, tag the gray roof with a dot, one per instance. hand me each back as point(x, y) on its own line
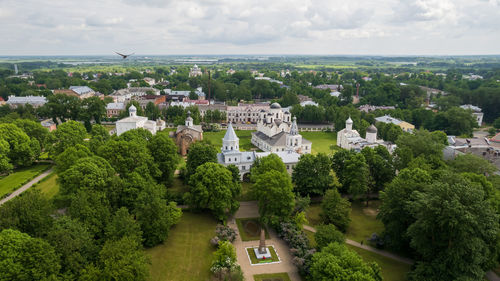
point(80, 90)
point(277, 140)
point(26, 99)
point(197, 128)
point(275, 105)
point(388, 119)
point(371, 129)
point(230, 134)
point(115, 105)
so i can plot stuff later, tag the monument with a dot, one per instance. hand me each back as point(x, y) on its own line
point(262, 252)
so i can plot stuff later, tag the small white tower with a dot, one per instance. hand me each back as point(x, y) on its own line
point(230, 142)
point(189, 120)
point(294, 139)
point(348, 124)
point(132, 111)
point(371, 134)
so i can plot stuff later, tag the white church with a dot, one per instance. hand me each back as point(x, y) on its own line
point(135, 122)
point(348, 138)
point(276, 132)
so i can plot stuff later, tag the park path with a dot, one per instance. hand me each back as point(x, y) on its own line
point(250, 210)
point(369, 248)
point(490, 275)
point(26, 186)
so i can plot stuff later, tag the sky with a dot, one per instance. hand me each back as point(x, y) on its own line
point(315, 27)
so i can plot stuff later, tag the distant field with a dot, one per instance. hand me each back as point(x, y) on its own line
point(391, 270)
point(187, 253)
point(49, 185)
point(321, 141)
point(19, 177)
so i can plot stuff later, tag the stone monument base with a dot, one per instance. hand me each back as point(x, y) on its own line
point(260, 256)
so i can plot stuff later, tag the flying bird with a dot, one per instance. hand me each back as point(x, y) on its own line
point(124, 56)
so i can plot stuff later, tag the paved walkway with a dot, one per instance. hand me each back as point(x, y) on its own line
point(281, 248)
point(26, 186)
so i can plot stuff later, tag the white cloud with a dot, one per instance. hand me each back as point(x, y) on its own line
point(259, 26)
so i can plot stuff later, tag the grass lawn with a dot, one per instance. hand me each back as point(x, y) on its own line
point(272, 277)
point(254, 260)
point(178, 186)
point(363, 221)
point(391, 270)
point(245, 139)
point(321, 141)
point(20, 177)
point(312, 240)
point(49, 185)
point(249, 229)
point(187, 253)
point(245, 192)
point(312, 214)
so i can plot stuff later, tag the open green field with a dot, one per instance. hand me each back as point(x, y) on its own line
point(49, 185)
point(245, 139)
point(187, 253)
point(272, 277)
point(321, 141)
point(364, 221)
point(20, 177)
point(245, 192)
point(391, 270)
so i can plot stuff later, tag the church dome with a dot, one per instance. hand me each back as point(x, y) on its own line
point(349, 121)
point(132, 108)
point(371, 129)
point(275, 105)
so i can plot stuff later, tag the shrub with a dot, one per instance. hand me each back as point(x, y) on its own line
point(225, 233)
point(326, 234)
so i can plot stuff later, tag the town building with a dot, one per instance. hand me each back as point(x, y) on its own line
point(114, 109)
point(231, 155)
point(144, 100)
point(82, 92)
point(212, 107)
point(277, 132)
point(136, 122)
point(308, 102)
point(2, 101)
point(150, 81)
point(367, 108)
point(186, 134)
point(123, 95)
point(331, 87)
point(488, 149)
point(246, 113)
point(35, 101)
point(181, 95)
point(195, 71)
point(405, 126)
point(348, 138)
point(476, 111)
point(49, 124)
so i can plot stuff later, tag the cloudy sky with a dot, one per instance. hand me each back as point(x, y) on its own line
point(385, 27)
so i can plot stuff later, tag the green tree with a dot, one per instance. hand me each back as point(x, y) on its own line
point(155, 215)
point(335, 210)
point(93, 110)
point(152, 111)
point(455, 231)
point(34, 130)
point(123, 225)
point(128, 157)
point(224, 260)
point(326, 234)
point(69, 157)
point(394, 211)
point(380, 166)
point(337, 262)
point(199, 154)
point(273, 190)
point(313, 174)
point(92, 209)
point(73, 243)
point(98, 136)
point(164, 152)
point(212, 187)
point(421, 142)
point(266, 164)
point(67, 135)
point(473, 164)
point(24, 258)
point(5, 165)
point(22, 150)
point(356, 175)
point(29, 213)
point(89, 174)
point(121, 260)
point(496, 123)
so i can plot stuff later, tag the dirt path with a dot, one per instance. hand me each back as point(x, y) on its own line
point(26, 186)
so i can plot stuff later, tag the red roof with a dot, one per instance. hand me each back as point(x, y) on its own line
point(1, 99)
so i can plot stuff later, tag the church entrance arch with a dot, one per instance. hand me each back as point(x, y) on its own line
point(246, 177)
